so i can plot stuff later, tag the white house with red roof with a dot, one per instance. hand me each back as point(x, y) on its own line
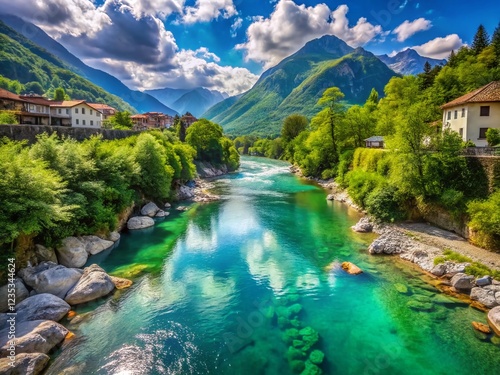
point(474, 113)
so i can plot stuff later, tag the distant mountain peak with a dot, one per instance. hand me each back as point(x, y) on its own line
point(408, 62)
point(326, 44)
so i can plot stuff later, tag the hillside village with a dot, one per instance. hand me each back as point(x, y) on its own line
point(32, 109)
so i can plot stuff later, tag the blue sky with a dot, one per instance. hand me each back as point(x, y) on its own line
point(227, 44)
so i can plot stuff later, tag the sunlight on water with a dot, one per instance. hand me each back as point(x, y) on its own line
point(244, 285)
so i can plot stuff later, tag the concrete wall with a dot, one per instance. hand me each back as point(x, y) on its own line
point(29, 132)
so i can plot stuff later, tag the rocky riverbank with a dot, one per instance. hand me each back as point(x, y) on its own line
point(427, 246)
point(54, 283)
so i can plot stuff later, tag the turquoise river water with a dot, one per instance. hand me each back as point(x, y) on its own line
point(219, 288)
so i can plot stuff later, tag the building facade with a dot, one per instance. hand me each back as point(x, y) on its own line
point(473, 114)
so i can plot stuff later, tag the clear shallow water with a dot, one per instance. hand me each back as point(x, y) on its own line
point(210, 284)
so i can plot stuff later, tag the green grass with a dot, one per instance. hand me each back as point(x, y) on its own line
point(475, 269)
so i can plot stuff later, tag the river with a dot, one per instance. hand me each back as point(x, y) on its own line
point(218, 287)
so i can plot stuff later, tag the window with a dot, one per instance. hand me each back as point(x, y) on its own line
point(77, 122)
point(38, 108)
point(67, 111)
point(449, 115)
point(83, 122)
point(485, 111)
point(59, 110)
point(463, 112)
point(91, 112)
point(97, 114)
point(76, 110)
point(456, 115)
point(482, 132)
point(83, 111)
point(91, 122)
point(461, 132)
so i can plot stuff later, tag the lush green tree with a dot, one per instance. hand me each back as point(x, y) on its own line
point(120, 120)
point(31, 194)
point(8, 118)
point(186, 156)
point(34, 87)
point(372, 101)
point(155, 176)
point(204, 136)
point(452, 59)
point(357, 125)
point(485, 218)
point(59, 94)
point(493, 137)
point(481, 40)
point(333, 110)
point(293, 126)
point(495, 42)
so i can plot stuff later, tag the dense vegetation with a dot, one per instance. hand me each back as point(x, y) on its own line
point(25, 68)
point(58, 188)
point(424, 167)
point(296, 84)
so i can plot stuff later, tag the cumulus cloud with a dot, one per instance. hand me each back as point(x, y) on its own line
point(207, 10)
point(59, 17)
point(290, 26)
point(407, 28)
point(440, 48)
point(128, 39)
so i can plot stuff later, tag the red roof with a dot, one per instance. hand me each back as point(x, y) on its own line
point(101, 107)
point(485, 94)
point(4, 94)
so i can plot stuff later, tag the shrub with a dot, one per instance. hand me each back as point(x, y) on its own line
point(361, 184)
point(493, 137)
point(384, 203)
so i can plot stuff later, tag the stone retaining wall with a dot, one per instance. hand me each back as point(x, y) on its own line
point(29, 132)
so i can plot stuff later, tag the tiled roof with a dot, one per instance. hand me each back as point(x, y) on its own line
point(68, 103)
point(485, 94)
point(101, 107)
point(4, 94)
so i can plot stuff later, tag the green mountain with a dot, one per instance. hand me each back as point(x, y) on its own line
point(296, 84)
point(26, 62)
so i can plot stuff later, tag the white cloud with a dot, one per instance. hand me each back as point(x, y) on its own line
point(160, 8)
point(237, 24)
point(407, 28)
point(207, 10)
point(290, 26)
point(440, 48)
point(59, 17)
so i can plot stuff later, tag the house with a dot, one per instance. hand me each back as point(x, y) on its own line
point(152, 120)
point(81, 114)
point(474, 113)
point(188, 119)
point(37, 110)
point(106, 110)
point(375, 142)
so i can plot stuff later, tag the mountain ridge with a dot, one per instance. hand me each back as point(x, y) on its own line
point(409, 62)
point(297, 82)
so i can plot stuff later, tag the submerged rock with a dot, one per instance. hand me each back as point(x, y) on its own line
point(51, 278)
point(38, 336)
point(481, 327)
point(494, 320)
point(162, 213)
point(363, 226)
point(24, 364)
point(140, 222)
point(351, 268)
point(401, 288)
point(317, 357)
point(420, 306)
point(42, 307)
point(462, 282)
point(150, 209)
point(121, 283)
point(72, 253)
point(95, 283)
point(20, 291)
